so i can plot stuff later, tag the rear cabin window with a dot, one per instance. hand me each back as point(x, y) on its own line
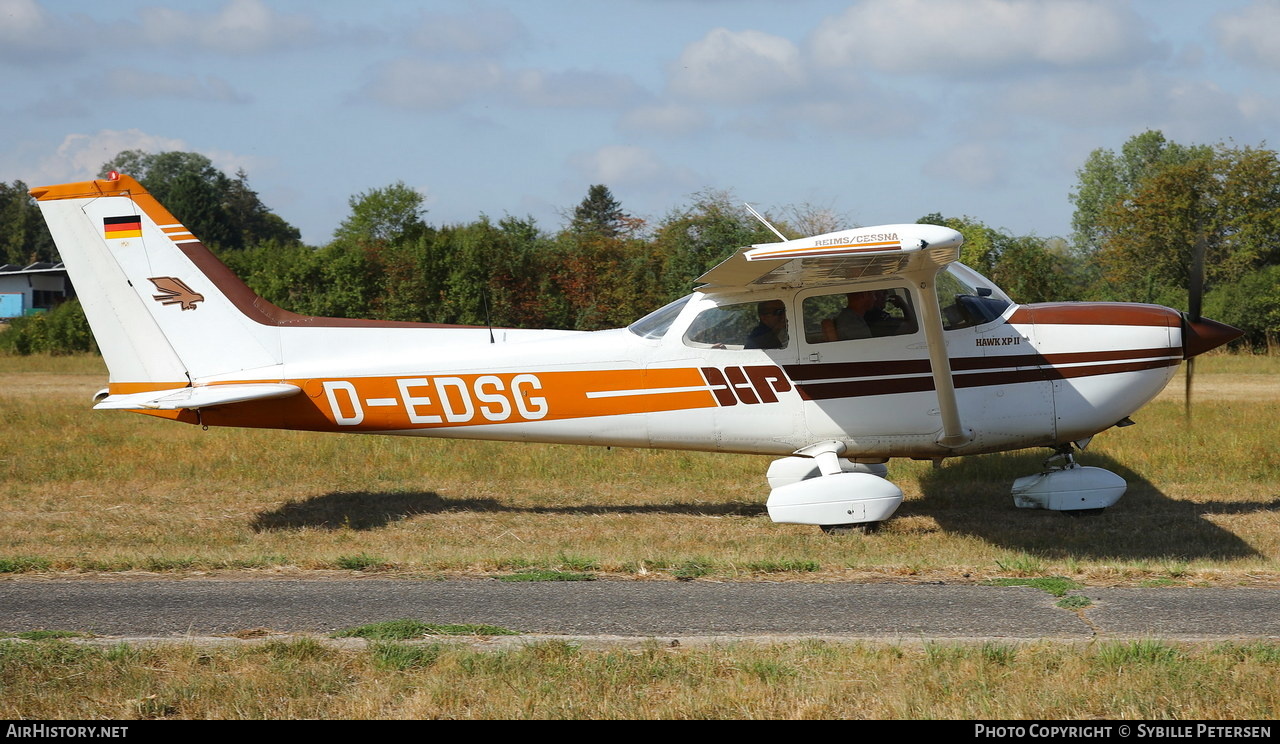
point(849, 316)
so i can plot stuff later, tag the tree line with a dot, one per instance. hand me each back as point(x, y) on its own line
point(1138, 214)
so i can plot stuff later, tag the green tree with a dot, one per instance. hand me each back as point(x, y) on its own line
point(25, 238)
point(1108, 179)
point(602, 272)
point(289, 275)
point(383, 216)
point(1032, 269)
point(351, 280)
point(600, 213)
point(1227, 199)
point(223, 212)
point(693, 239)
point(1251, 304)
point(1026, 267)
point(981, 243)
point(250, 217)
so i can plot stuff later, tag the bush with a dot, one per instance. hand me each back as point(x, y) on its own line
point(62, 330)
point(1251, 304)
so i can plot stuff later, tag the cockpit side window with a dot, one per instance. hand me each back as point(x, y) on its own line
point(744, 325)
point(848, 316)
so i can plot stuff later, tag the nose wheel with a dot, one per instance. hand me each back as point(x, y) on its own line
point(862, 528)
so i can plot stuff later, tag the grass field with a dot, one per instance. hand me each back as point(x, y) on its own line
point(1141, 680)
point(89, 491)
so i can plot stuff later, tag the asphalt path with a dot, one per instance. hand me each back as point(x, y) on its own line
point(636, 611)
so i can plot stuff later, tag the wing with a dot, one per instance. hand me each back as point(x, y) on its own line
point(916, 251)
point(197, 397)
point(838, 257)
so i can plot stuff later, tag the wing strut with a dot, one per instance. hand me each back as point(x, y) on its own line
point(953, 432)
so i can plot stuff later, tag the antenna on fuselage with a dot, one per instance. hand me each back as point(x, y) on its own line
point(488, 321)
point(764, 222)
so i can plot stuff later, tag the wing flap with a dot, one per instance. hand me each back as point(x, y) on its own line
point(198, 397)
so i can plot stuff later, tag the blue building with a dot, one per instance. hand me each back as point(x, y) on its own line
point(32, 289)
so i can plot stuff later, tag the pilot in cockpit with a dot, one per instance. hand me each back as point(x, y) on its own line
point(771, 333)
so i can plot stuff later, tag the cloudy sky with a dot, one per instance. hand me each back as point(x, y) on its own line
point(880, 110)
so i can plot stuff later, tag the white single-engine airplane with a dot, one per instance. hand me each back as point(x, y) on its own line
point(834, 352)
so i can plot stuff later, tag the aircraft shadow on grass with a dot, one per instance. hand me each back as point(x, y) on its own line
point(966, 496)
point(369, 510)
point(972, 496)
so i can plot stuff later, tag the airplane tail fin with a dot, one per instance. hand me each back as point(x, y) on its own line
point(163, 309)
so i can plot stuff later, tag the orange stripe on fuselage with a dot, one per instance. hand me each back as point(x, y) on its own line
point(432, 401)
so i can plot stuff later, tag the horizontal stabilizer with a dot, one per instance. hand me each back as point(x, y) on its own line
point(197, 397)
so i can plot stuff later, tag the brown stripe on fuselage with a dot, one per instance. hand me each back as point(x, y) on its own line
point(863, 379)
point(1096, 313)
point(833, 370)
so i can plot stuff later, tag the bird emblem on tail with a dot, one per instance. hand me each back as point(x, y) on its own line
point(174, 291)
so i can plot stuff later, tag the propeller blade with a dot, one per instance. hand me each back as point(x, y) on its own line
point(1186, 393)
point(1195, 303)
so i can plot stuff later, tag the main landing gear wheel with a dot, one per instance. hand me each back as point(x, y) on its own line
point(864, 528)
point(1082, 512)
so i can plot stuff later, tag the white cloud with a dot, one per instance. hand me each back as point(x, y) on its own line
point(624, 165)
point(972, 164)
point(27, 31)
point(965, 37)
point(137, 84)
point(1262, 109)
point(1135, 100)
point(670, 119)
point(80, 156)
point(21, 19)
point(423, 84)
point(476, 32)
point(738, 67)
point(240, 26)
point(571, 89)
point(435, 85)
point(1250, 35)
point(874, 113)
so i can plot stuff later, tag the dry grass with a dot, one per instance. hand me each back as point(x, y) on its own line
point(106, 491)
point(1149, 681)
point(90, 491)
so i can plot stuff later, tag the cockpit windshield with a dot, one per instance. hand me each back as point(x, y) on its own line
point(655, 324)
point(968, 299)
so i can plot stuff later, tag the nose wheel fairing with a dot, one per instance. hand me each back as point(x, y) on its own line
point(1066, 486)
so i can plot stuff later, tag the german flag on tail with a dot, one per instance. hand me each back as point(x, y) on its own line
point(114, 228)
